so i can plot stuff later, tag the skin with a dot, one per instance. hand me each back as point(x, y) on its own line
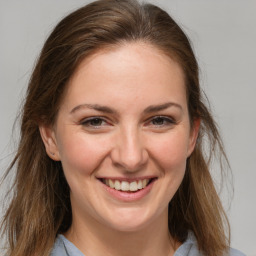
point(131, 138)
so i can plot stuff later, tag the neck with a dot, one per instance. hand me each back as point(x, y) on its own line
point(92, 238)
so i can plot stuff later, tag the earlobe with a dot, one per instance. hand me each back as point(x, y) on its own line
point(49, 140)
point(193, 135)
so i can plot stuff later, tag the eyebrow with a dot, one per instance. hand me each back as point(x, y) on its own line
point(156, 108)
point(105, 109)
point(97, 107)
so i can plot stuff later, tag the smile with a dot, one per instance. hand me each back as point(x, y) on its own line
point(127, 186)
point(128, 190)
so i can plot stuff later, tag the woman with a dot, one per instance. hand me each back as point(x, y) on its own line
point(111, 158)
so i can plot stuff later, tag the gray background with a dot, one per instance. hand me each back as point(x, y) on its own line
point(224, 38)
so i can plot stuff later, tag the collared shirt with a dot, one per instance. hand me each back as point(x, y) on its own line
point(63, 247)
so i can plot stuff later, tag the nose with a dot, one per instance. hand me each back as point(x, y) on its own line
point(129, 151)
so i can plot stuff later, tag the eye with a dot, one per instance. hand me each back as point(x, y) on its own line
point(94, 122)
point(161, 121)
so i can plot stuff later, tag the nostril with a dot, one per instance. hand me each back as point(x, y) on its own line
point(129, 155)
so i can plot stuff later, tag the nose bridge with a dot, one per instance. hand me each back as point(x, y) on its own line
point(130, 151)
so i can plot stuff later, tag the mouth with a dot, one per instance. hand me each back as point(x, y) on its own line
point(130, 186)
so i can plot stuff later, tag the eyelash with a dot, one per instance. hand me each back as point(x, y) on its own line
point(166, 121)
point(88, 122)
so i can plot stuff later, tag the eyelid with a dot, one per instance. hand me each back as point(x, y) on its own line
point(86, 121)
point(170, 120)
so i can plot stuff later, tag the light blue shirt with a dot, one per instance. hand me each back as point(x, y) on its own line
point(63, 247)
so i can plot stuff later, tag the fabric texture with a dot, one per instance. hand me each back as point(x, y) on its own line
point(63, 247)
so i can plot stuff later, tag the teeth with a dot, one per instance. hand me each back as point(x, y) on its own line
point(144, 183)
point(140, 184)
point(125, 185)
point(133, 186)
point(111, 183)
point(117, 185)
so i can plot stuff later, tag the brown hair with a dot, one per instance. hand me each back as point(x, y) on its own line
point(40, 206)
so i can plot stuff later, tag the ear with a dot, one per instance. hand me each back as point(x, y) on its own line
point(50, 143)
point(193, 135)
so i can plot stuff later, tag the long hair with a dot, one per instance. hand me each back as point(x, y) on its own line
point(40, 206)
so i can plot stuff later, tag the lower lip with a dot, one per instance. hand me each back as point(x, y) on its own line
point(129, 196)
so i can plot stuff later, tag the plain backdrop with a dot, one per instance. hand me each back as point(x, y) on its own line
point(223, 34)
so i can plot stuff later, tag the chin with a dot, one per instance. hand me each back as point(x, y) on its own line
point(132, 220)
point(131, 226)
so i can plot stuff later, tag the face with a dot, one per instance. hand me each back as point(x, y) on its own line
point(123, 136)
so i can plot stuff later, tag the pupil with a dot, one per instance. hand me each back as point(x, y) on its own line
point(158, 121)
point(96, 122)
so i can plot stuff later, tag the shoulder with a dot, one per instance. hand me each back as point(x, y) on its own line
point(234, 252)
point(59, 248)
point(63, 247)
point(190, 248)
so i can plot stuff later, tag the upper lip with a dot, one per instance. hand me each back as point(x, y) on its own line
point(128, 179)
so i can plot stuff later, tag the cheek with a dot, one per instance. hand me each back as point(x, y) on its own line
point(81, 154)
point(171, 151)
point(170, 154)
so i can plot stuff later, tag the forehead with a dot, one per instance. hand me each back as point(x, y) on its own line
point(130, 53)
point(137, 70)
